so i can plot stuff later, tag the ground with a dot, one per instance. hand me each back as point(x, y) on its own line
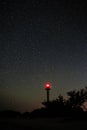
point(42, 124)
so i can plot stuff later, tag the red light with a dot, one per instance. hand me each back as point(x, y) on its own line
point(47, 86)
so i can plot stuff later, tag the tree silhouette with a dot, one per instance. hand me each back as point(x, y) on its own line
point(77, 98)
point(73, 104)
point(55, 107)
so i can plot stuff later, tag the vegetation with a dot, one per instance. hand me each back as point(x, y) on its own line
point(73, 105)
point(60, 107)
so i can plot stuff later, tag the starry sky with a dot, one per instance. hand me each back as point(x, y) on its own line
point(40, 41)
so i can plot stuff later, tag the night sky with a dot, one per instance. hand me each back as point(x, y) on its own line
point(40, 41)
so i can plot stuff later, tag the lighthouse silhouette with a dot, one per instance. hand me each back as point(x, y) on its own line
point(47, 88)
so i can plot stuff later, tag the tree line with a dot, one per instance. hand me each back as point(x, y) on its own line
point(73, 106)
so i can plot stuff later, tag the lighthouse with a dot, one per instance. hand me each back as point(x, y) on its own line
point(47, 88)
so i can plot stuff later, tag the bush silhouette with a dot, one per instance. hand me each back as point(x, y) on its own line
point(10, 114)
point(72, 106)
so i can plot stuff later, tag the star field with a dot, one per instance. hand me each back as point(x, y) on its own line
point(41, 41)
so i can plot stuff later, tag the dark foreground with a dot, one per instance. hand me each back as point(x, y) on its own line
point(42, 124)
